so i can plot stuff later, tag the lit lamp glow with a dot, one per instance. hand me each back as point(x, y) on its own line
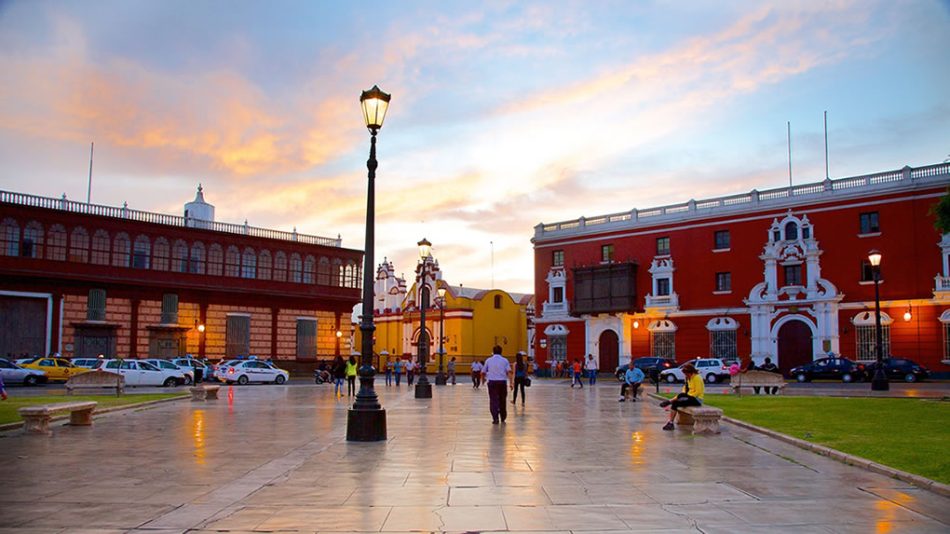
point(425, 248)
point(907, 315)
point(636, 324)
point(201, 328)
point(375, 105)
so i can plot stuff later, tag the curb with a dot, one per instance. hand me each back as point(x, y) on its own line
point(843, 457)
point(18, 424)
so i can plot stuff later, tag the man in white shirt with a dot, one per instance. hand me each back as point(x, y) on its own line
point(496, 372)
point(410, 370)
point(476, 374)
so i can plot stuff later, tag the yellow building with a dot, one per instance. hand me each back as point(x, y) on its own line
point(470, 321)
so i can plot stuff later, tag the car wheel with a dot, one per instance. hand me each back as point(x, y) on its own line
point(242, 379)
point(187, 380)
point(910, 377)
point(280, 379)
point(801, 377)
point(671, 379)
point(170, 382)
point(30, 380)
point(711, 378)
point(846, 378)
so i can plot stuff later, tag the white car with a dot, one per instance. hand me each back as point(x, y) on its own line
point(244, 371)
point(142, 373)
point(171, 366)
point(14, 374)
point(711, 370)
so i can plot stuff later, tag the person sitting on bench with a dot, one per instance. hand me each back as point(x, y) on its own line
point(632, 378)
point(692, 394)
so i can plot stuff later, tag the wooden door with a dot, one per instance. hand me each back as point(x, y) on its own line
point(794, 345)
point(609, 351)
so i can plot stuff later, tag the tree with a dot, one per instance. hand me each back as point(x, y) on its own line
point(941, 210)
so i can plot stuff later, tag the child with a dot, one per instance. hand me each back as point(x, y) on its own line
point(576, 378)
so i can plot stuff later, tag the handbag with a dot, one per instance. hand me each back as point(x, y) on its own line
point(527, 381)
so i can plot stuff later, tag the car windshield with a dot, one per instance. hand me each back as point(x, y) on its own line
point(147, 366)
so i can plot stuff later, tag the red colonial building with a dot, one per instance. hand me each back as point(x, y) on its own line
point(781, 273)
point(83, 280)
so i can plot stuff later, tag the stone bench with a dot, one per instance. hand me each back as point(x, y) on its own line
point(36, 419)
point(95, 380)
point(703, 419)
point(201, 393)
point(756, 378)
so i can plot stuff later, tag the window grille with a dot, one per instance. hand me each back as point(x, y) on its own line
point(215, 260)
point(169, 308)
point(723, 281)
point(307, 338)
point(309, 266)
point(56, 243)
point(141, 252)
point(79, 246)
point(280, 267)
point(232, 262)
point(100, 248)
point(662, 287)
point(722, 344)
point(607, 253)
point(32, 241)
point(662, 246)
point(793, 275)
point(121, 250)
point(663, 344)
point(9, 238)
point(249, 264)
point(946, 341)
point(196, 262)
point(160, 253)
point(296, 266)
point(323, 271)
point(180, 256)
point(557, 258)
point(558, 348)
point(867, 342)
point(238, 336)
point(96, 305)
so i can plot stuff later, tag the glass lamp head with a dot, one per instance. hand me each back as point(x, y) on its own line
point(375, 103)
point(874, 257)
point(425, 248)
point(441, 292)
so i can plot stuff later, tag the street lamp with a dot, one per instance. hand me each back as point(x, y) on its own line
point(879, 382)
point(366, 420)
point(440, 378)
point(423, 387)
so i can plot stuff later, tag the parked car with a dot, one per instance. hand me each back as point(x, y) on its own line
point(835, 368)
point(88, 363)
point(900, 368)
point(56, 368)
point(711, 370)
point(142, 373)
point(24, 361)
point(14, 374)
point(245, 371)
point(199, 370)
point(172, 366)
point(647, 364)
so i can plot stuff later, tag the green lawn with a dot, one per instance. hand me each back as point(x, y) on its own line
point(9, 414)
point(908, 434)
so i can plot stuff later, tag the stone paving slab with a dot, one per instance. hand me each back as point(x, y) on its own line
point(274, 458)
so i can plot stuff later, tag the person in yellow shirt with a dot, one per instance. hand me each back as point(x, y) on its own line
point(351, 376)
point(692, 394)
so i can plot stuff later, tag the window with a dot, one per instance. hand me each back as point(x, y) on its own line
point(215, 259)
point(867, 271)
point(557, 258)
point(722, 344)
point(96, 305)
point(607, 253)
point(196, 261)
point(721, 239)
point(121, 250)
point(296, 266)
point(309, 265)
point(100, 248)
point(160, 254)
point(249, 264)
point(280, 267)
point(662, 287)
point(56, 243)
point(867, 341)
point(323, 271)
point(169, 308)
point(263, 265)
point(9, 238)
point(237, 336)
point(946, 341)
point(723, 281)
point(306, 338)
point(232, 262)
point(791, 231)
point(557, 348)
point(79, 245)
point(141, 252)
point(558, 295)
point(663, 246)
point(32, 241)
point(663, 344)
point(497, 302)
point(868, 223)
point(180, 256)
point(336, 272)
point(793, 275)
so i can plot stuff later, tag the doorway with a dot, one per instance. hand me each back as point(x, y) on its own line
point(609, 345)
point(794, 345)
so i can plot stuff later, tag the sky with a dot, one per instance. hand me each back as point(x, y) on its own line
point(504, 114)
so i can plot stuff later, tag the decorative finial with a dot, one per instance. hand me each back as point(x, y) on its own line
point(200, 189)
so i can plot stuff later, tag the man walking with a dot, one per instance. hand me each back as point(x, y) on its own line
point(496, 371)
point(451, 367)
point(591, 366)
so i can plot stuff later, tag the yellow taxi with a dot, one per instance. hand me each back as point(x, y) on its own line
point(56, 368)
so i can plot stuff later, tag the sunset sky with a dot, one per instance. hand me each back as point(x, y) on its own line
point(503, 114)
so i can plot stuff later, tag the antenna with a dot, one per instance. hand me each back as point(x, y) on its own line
point(789, 156)
point(492, 243)
point(92, 145)
point(827, 174)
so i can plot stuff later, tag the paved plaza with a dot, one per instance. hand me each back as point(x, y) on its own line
point(274, 458)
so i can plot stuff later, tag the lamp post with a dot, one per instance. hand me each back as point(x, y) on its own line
point(423, 387)
point(879, 382)
point(366, 420)
point(440, 378)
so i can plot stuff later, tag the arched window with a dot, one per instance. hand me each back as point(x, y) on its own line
point(722, 337)
point(232, 261)
point(215, 259)
point(336, 273)
point(56, 243)
point(249, 264)
point(141, 252)
point(100, 248)
point(280, 267)
point(32, 241)
point(497, 302)
point(323, 271)
point(791, 231)
point(180, 256)
point(9, 238)
point(295, 267)
point(196, 262)
point(120, 250)
point(160, 255)
point(354, 279)
point(309, 266)
point(263, 265)
point(79, 245)
point(347, 273)
point(662, 338)
point(865, 325)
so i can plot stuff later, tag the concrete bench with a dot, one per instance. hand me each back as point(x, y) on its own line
point(201, 393)
point(756, 378)
point(704, 419)
point(96, 380)
point(36, 419)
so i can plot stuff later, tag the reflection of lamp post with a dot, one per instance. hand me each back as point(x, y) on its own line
point(879, 382)
point(423, 387)
point(366, 420)
point(440, 378)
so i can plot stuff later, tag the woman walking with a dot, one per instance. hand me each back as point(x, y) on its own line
point(339, 374)
point(351, 377)
point(520, 378)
